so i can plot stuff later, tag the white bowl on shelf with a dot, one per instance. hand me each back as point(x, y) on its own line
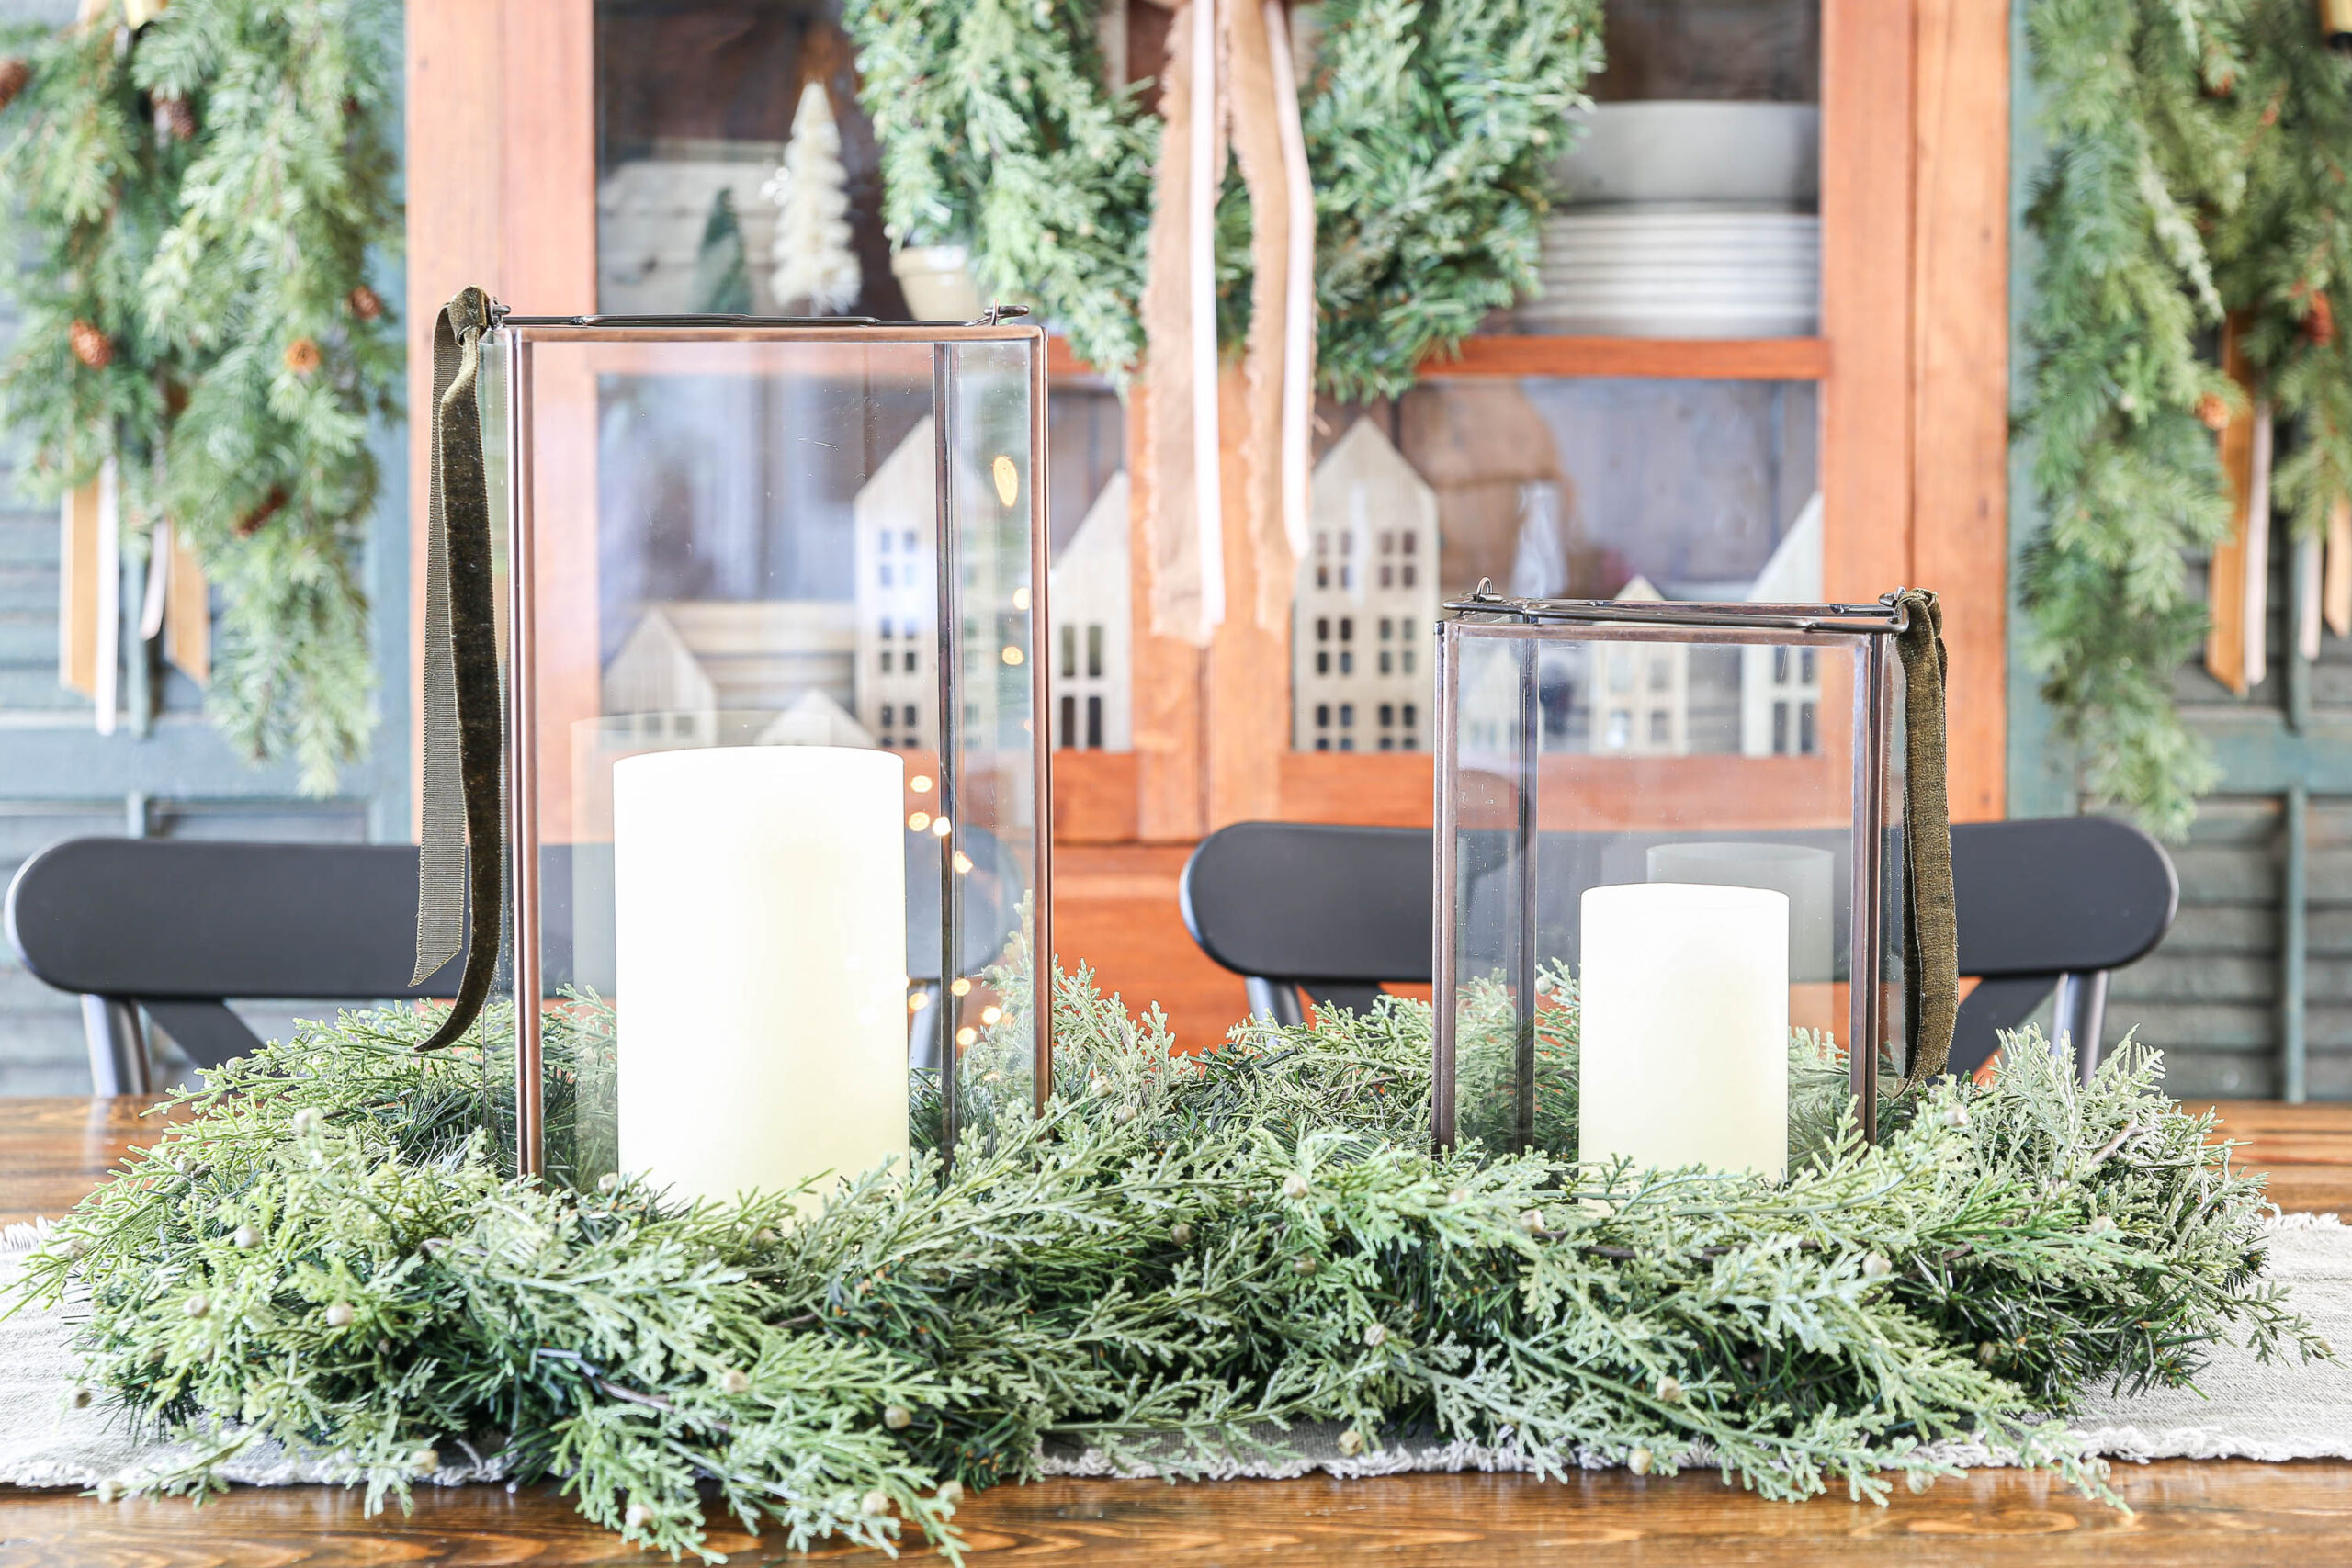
point(1680, 150)
point(938, 282)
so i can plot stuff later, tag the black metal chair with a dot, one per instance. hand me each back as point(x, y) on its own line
point(1336, 913)
point(178, 928)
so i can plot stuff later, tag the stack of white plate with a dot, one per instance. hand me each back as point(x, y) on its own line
point(1677, 271)
point(1685, 220)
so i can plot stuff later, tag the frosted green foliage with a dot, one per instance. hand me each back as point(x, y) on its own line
point(228, 273)
point(2196, 170)
point(1429, 126)
point(1179, 1259)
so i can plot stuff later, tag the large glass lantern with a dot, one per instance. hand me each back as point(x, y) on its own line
point(777, 786)
point(1669, 861)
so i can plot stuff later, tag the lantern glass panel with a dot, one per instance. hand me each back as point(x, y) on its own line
point(1672, 826)
point(774, 790)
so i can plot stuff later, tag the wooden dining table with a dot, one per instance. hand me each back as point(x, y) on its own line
point(2211, 1514)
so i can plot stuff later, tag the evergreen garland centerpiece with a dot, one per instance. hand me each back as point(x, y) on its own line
point(2201, 168)
point(1178, 1262)
point(1429, 125)
point(194, 194)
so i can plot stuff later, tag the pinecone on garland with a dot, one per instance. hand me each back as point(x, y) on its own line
point(364, 303)
point(303, 355)
point(272, 504)
point(91, 346)
point(15, 75)
point(2320, 319)
point(2214, 411)
point(174, 119)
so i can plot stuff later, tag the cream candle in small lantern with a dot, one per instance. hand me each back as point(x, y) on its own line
point(760, 961)
point(1683, 1033)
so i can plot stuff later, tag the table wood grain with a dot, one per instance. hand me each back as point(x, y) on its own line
point(2198, 1514)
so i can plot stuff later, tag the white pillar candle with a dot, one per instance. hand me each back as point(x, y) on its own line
point(1683, 1033)
point(761, 960)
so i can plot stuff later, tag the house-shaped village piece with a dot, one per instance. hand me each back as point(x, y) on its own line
point(1091, 631)
point(1366, 598)
point(856, 671)
point(1780, 687)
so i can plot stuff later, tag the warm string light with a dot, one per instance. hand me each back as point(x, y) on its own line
point(941, 825)
point(989, 1015)
point(966, 1035)
point(918, 821)
point(920, 784)
point(1012, 655)
point(962, 987)
point(962, 863)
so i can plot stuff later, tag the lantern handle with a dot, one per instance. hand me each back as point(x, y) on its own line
point(1930, 917)
point(462, 836)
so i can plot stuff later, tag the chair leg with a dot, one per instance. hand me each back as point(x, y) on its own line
point(2081, 1016)
point(117, 1046)
point(1276, 1000)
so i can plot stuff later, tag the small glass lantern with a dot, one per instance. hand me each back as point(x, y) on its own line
point(1669, 864)
point(776, 788)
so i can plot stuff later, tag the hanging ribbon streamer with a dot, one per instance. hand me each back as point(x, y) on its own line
point(461, 841)
point(2337, 598)
point(2256, 527)
point(1230, 84)
point(107, 692)
point(1930, 918)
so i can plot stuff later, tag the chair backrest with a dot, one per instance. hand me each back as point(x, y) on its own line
point(181, 927)
point(175, 918)
point(1340, 912)
point(2059, 895)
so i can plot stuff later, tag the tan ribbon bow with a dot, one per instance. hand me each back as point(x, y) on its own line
point(1230, 84)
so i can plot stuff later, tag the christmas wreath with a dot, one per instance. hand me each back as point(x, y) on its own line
point(2200, 171)
point(195, 193)
point(1177, 1261)
point(1428, 125)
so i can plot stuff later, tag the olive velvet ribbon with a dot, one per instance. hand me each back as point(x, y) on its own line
point(463, 805)
point(1931, 926)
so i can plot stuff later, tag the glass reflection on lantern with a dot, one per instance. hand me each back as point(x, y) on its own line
point(775, 777)
point(1669, 861)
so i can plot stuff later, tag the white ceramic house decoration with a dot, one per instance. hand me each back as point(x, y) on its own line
point(1090, 634)
point(1365, 602)
point(1780, 687)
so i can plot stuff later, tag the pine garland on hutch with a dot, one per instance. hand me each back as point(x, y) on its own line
point(2198, 176)
point(1428, 127)
point(196, 191)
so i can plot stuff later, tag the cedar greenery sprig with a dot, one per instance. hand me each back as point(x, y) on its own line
point(2198, 169)
point(1180, 1260)
point(195, 203)
point(1429, 126)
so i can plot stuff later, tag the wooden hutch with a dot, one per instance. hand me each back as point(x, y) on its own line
point(1909, 368)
